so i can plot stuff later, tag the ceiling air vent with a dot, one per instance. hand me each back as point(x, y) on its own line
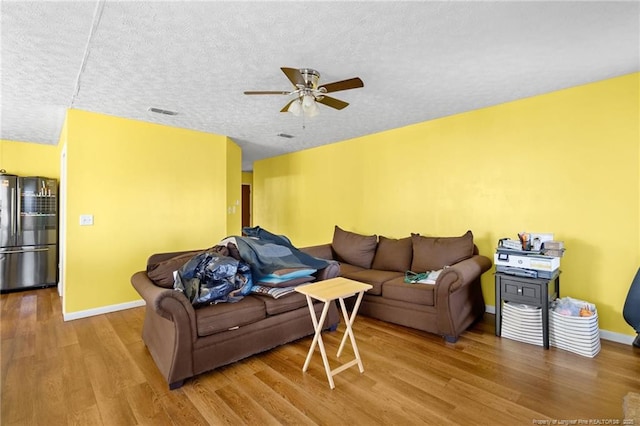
point(284, 135)
point(162, 111)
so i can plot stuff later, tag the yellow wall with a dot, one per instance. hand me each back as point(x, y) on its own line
point(247, 178)
point(150, 188)
point(234, 188)
point(565, 162)
point(29, 159)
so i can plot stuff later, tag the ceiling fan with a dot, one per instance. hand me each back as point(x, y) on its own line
point(307, 92)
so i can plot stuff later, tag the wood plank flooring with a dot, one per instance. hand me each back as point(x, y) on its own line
point(97, 371)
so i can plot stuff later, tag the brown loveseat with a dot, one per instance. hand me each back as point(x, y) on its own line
point(447, 307)
point(185, 341)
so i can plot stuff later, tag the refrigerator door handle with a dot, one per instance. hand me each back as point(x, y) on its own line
point(13, 216)
point(22, 251)
point(18, 215)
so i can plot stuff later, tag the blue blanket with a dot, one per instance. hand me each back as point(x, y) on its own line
point(214, 277)
point(266, 253)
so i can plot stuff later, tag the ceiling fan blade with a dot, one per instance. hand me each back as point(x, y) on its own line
point(294, 76)
point(286, 107)
point(332, 102)
point(336, 86)
point(273, 92)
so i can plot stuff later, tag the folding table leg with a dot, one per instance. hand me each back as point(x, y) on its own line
point(317, 339)
point(349, 330)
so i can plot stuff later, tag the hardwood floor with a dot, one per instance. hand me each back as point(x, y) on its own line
point(97, 371)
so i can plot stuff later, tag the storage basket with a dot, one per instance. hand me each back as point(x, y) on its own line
point(522, 323)
point(580, 335)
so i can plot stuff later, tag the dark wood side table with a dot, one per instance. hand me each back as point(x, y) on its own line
point(538, 292)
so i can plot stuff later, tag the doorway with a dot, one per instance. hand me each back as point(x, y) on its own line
point(246, 205)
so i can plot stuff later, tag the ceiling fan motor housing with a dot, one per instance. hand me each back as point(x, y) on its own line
point(310, 77)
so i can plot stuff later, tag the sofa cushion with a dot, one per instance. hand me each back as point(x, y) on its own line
point(397, 289)
point(393, 255)
point(433, 253)
point(346, 268)
point(211, 319)
point(374, 277)
point(161, 273)
point(283, 304)
point(354, 248)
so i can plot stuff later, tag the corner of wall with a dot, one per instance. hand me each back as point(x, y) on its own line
point(234, 188)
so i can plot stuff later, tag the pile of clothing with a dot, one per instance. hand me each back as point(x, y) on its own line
point(227, 271)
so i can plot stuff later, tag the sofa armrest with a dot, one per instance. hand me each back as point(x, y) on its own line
point(167, 303)
point(323, 251)
point(461, 274)
point(458, 296)
point(330, 271)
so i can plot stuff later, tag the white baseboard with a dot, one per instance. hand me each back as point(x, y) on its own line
point(102, 310)
point(604, 334)
point(616, 337)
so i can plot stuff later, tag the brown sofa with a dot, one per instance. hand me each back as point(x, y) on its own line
point(185, 341)
point(447, 307)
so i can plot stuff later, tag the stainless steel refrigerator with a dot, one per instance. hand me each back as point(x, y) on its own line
point(28, 232)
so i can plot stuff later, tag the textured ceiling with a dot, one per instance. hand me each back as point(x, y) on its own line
point(418, 61)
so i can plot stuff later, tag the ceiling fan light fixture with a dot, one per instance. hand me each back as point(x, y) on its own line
point(308, 102)
point(295, 108)
point(313, 110)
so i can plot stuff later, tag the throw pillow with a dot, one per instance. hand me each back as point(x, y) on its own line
point(433, 253)
point(353, 248)
point(162, 273)
point(393, 255)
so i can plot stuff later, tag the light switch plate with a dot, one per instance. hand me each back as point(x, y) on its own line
point(86, 219)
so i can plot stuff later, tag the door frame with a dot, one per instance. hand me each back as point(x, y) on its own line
point(246, 208)
point(62, 221)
